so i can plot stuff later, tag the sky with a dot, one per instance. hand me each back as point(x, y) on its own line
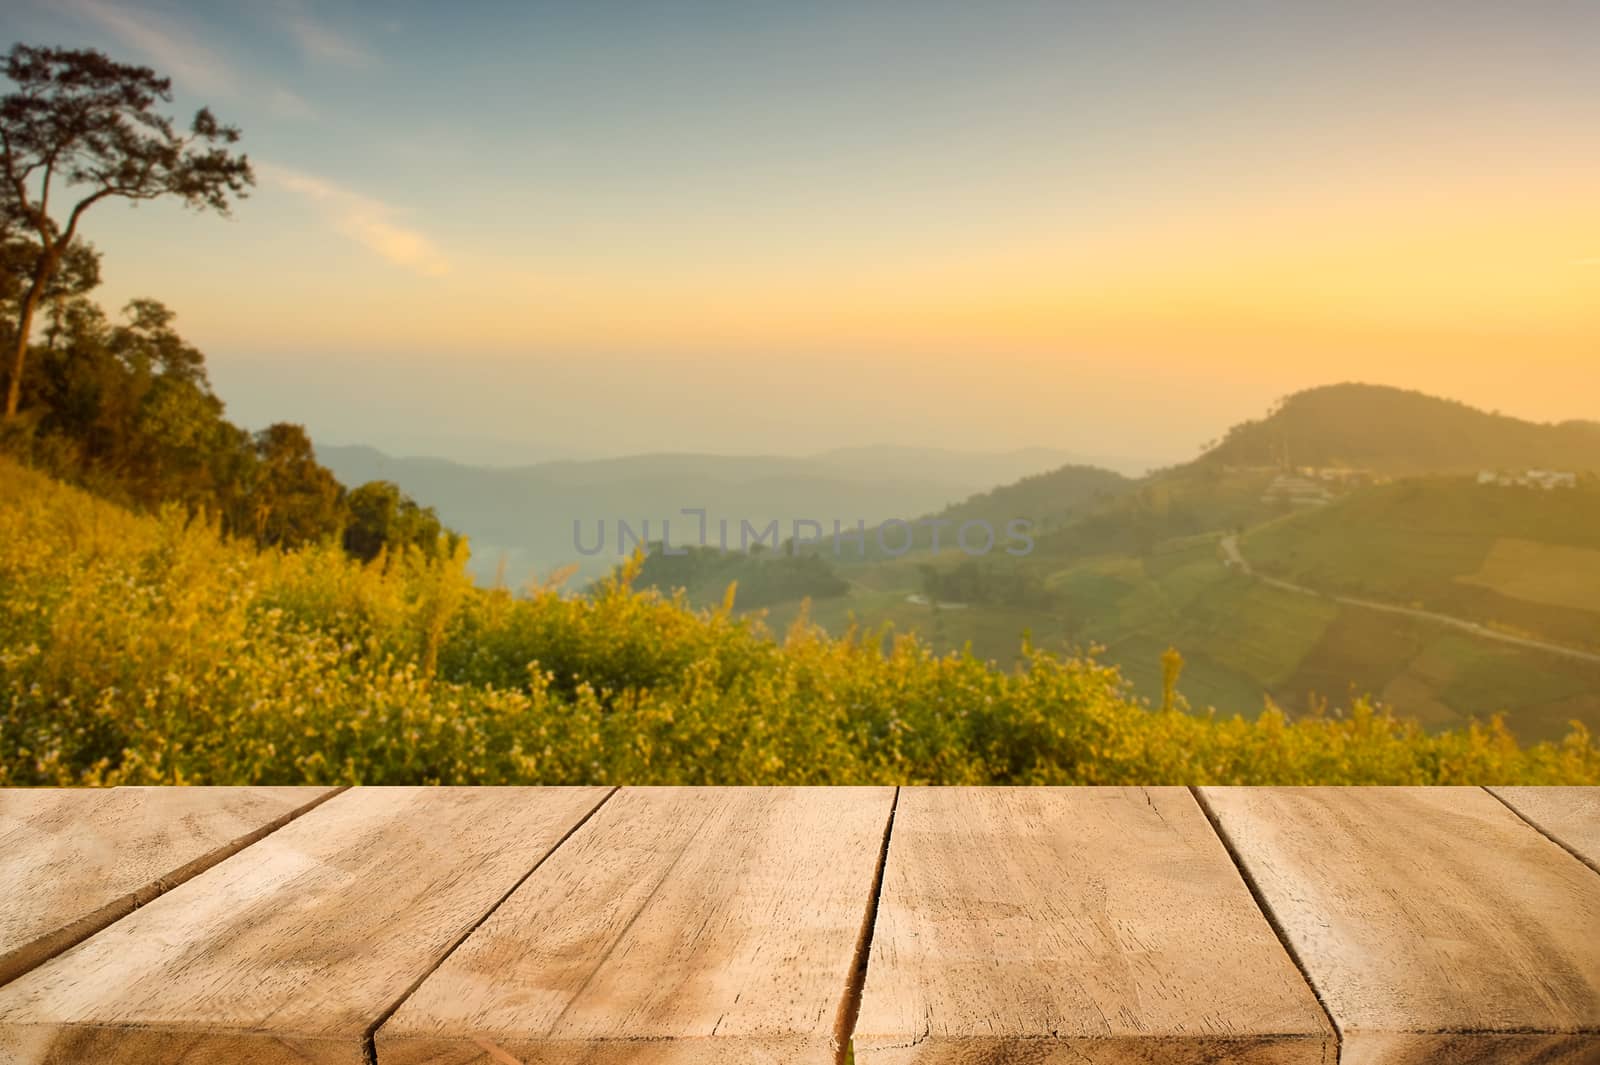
point(525, 231)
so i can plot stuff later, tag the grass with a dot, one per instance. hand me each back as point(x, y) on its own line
point(1526, 560)
point(1265, 633)
point(1548, 574)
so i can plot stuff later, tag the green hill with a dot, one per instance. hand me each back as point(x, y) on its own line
point(1138, 568)
point(1245, 638)
point(1044, 502)
point(1245, 641)
point(1522, 560)
point(1186, 501)
point(1048, 500)
point(1393, 431)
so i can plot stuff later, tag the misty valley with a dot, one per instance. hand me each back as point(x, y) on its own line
point(1340, 501)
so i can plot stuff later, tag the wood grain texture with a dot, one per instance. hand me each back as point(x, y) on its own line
point(1436, 925)
point(1570, 816)
point(1074, 925)
point(72, 860)
point(292, 950)
point(680, 925)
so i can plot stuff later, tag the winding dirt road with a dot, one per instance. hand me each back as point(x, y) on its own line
point(1230, 551)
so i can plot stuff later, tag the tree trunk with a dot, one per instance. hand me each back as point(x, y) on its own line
point(30, 302)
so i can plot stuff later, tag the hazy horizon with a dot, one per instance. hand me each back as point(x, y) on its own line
point(1118, 445)
point(780, 229)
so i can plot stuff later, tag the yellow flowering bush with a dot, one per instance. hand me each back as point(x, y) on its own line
point(154, 650)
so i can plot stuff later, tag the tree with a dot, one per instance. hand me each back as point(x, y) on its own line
point(78, 118)
point(378, 517)
point(296, 500)
point(77, 276)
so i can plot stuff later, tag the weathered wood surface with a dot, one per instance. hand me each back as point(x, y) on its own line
point(1436, 925)
point(292, 950)
point(74, 860)
point(1062, 925)
point(679, 925)
point(1570, 816)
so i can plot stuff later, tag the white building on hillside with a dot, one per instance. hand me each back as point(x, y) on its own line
point(1546, 479)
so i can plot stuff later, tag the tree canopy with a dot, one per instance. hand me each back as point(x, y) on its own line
point(124, 406)
point(77, 119)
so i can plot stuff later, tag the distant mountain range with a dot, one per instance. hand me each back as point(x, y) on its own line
point(525, 515)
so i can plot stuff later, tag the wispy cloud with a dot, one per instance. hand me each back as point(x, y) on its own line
point(322, 42)
point(366, 221)
point(287, 104)
point(174, 50)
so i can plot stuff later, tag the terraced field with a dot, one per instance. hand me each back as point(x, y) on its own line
point(1524, 561)
point(1242, 641)
point(1548, 574)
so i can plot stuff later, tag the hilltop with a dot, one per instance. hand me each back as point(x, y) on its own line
point(1137, 566)
point(1394, 431)
point(1048, 500)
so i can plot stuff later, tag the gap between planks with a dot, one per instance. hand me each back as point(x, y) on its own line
point(851, 1001)
point(369, 1041)
point(1272, 918)
point(844, 1029)
point(855, 982)
point(64, 939)
point(1531, 823)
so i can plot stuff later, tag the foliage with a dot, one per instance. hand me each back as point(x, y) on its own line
point(381, 518)
point(761, 577)
point(970, 582)
point(154, 649)
point(1514, 558)
point(77, 118)
point(1395, 431)
point(125, 409)
point(1014, 515)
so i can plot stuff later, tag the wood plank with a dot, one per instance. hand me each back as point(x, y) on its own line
point(72, 860)
point(1074, 925)
point(1435, 924)
point(292, 950)
point(680, 925)
point(1570, 816)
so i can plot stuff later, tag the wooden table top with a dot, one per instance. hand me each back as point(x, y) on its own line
point(768, 926)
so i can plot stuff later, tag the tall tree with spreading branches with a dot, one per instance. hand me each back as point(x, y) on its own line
point(77, 119)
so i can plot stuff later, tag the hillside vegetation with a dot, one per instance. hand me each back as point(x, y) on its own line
point(1523, 560)
point(154, 650)
point(1136, 568)
point(1391, 430)
point(1046, 499)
